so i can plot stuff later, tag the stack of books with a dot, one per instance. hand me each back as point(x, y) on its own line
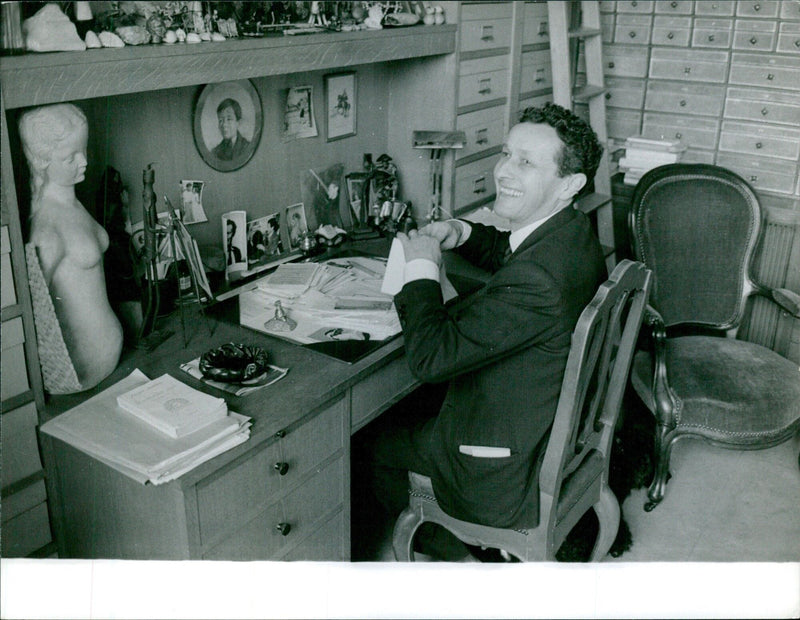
point(157, 437)
point(643, 154)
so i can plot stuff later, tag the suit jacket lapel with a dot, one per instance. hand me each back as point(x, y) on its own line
point(557, 221)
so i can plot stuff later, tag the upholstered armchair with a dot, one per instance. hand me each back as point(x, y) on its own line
point(696, 226)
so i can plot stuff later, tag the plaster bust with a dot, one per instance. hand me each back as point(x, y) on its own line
point(68, 241)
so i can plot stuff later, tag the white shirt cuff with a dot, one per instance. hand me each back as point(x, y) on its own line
point(420, 269)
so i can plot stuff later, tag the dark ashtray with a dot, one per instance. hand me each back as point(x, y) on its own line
point(233, 363)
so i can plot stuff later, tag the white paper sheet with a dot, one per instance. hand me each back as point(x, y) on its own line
point(394, 278)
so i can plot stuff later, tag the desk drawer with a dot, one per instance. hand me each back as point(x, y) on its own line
point(790, 9)
point(789, 37)
point(761, 172)
point(760, 140)
point(721, 8)
point(681, 98)
point(688, 65)
point(483, 128)
point(674, 7)
point(26, 532)
point(712, 33)
point(757, 8)
point(19, 453)
point(485, 26)
point(482, 80)
point(763, 106)
point(536, 28)
point(632, 29)
point(624, 61)
point(694, 132)
point(672, 31)
point(13, 370)
point(387, 385)
point(256, 481)
point(301, 510)
point(754, 35)
point(634, 6)
point(622, 124)
point(623, 93)
point(327, 544)
point(474, 183)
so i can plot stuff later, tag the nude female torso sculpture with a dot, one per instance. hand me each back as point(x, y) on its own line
point(69, 243)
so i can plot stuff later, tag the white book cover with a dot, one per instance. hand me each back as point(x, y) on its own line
point(171, 406)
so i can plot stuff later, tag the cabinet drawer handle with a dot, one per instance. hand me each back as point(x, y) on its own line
point(764, 111)
point(479, 185)
point(687, 70)
point(543, 29)
point(678, 135)
point(611, 65)
point(487, 33)
point(683, 103)
point(753, 178)
point(759, 145)
point(634, 4)
point(632, 34)
point(797, 43)
point(674, 5)
point(670, 35)
point(608, 96)
point(485, 86)
point(770, 76)
point(283, 528)
point(480, 136)
point(280, 434)
point(756, 7)
point(753, 40)
point(281, 467)
point(711, 37)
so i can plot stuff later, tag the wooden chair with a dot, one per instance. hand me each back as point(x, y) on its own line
point(574, 472)
point(696, 226)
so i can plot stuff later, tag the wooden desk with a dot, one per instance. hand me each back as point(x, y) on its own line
point(232, 506)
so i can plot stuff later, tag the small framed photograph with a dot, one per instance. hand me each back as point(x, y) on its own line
point(192, 202)
point(227, 124)
point(340, 105)
point(296, 224)
point(264, 241)
point(355, 194)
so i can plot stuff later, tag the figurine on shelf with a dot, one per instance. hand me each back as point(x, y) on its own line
point(68, 243)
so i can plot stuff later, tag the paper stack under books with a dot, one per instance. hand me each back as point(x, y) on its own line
point(643, 154)
point(163, 439)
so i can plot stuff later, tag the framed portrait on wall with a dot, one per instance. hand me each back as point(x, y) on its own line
point(340, 105)
point(227, 124)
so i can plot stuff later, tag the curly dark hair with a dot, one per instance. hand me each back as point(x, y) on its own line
point(582, 149)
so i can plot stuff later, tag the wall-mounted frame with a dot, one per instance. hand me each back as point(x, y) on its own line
point(340, 105)
point(227, 124)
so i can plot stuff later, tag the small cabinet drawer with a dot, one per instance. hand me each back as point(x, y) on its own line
point(722, 8)
point(712, 33)
point(484, 129)
point(485, 26)
point(370, 395)
point(761, 140)
point(760, 105)
point(324, 545)
point(270, 471)
point(635, 6)
point(762, 173)
point(536, 28)
point(672, 31)
point(789, 37)
point(624, 61)
point(674, 7)
point(286, 521)
point(536, 71)
point(688, 65)
point(765, 70)
point(754, 35)
point(692, 131)
point(13, 370)
point(622, 124)
point(624, 93)
point(482, 80)
point(632, 29)
point(757, 8)
point(26, 532)
point(790, 9)
point(19, 452)
point(474, 184)
point(681, 98)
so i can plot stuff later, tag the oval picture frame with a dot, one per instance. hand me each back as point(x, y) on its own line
point(238, 104)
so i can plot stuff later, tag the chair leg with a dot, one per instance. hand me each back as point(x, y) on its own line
point(663, 448)
point(608, 515)
point(405, 527)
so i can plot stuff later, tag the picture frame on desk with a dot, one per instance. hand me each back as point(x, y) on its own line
point(227, 124)
point(355, 195)
point(340, 105)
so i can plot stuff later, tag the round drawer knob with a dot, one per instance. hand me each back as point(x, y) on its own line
point(632, 34)
point(674, 5)
point(687, 70)
point(683, 103)
point(770, 76)
point(281, 467)
point(670, 35)
point(753, 178)
point(756, 7)
point(678, 135)
point(611, 65)
point(797, 43)
point(753, 40)
point(608, 96)
point(759, 145)
point(711, 37)
point(764, 111)
point(634, 3)
point(284, 528)
point(280, 434)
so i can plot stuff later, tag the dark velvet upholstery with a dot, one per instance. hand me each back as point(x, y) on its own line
point(574, 475)
point(696, 227)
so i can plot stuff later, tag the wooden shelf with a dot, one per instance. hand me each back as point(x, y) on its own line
point(37, 79)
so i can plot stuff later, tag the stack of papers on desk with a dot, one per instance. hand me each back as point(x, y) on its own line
point(101, 429)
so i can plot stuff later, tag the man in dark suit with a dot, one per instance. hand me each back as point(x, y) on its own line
point(503, 352)
point(233, 145)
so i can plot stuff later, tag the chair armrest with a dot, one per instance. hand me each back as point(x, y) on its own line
point(786, 299)
point(664, 398)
